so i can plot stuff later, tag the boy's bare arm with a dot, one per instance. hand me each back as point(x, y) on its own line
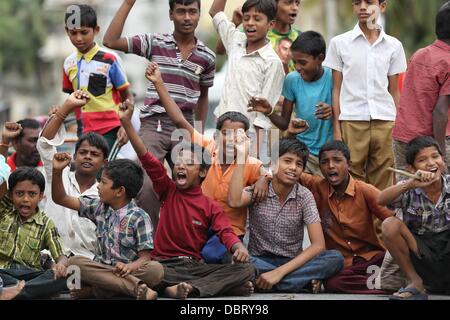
point(126, 94)
point(173, 111)
point(11, 130)
point(59, 195)
point(125, 114)
point(440, 120)
point(216, 7)
point(337, 84)
point(76, 99)
point(112, 38)
point(394, 89)
point(262, 105)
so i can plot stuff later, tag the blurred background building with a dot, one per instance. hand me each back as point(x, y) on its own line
point(33, 43)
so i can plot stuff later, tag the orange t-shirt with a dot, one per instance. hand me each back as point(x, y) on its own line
point(347, 222)
point(216, 183)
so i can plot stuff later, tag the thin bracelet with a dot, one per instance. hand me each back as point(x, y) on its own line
point(271, 113)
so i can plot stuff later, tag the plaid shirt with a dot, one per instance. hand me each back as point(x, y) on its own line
point(21, 242)
point(277, 228)
point(121, 234)
point(420, 215)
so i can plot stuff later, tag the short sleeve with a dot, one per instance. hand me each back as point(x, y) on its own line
point(141, 45)
point(445, 82)
point(67, 85)
point(90, 207)
point(207, 77)
point(144, 232)
point(398, 61)
point(53, 241)
point(288, 93)
point(118, 76)
point(310, 212)
point(333, 59)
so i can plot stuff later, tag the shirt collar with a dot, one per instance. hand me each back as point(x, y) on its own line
point(92, 191)
point(349, 191)
point(264, 52)
point(292, 194)
point(357, 32)
point(442, 45)
point(90, 54)
point(37, 218)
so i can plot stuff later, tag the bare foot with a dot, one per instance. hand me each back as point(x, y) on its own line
point(316, 285)
point(246, 289)
point(83, 293)
point(12, 292)
point(179, 291)
point(145, 293)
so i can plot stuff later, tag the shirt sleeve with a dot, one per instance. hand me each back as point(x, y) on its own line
point(4, 170)
point(67, 85)
point(371, 194)
point(143, 232)
point(333, 59)
point(398, 61)
point(118, 76)
point(47, 149)
point(288, 93)
point(157, 173)
point(222, 227)
point(53, 241)
point(207, 77)
point(89, 208)
point(444, 82)
point(310, 212)
point(141, 45)
point(225, 28)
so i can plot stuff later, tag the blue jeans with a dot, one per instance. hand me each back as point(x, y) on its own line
point(322, 266)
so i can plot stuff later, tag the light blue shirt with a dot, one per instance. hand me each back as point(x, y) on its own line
point(306, 95)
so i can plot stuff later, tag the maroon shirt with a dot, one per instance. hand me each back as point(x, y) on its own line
point(427, 78)
point(185, 216)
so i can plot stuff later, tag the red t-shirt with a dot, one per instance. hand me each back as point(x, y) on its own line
point(185, 216)
point(427, 78)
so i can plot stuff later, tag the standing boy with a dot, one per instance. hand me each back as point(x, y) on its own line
point(366, 63)
point(420, 243)
point(188, 69)
point(97, 72)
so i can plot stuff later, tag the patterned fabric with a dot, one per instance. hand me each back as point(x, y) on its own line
point(22, 241)
point(99, 73)
point(121, 233)
point(420, 215)
point(275, 37)
point(277, 228)
point(183, 78)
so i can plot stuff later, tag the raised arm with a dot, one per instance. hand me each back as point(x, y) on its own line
point(337, 84)
point(237, 20)
point(153, 74)
point(216, 7)
point(125, 114)
point(59, 195)
point(11, 130)
point(112, 38)
point(440, 120)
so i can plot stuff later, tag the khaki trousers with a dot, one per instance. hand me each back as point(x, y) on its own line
point(106, 284)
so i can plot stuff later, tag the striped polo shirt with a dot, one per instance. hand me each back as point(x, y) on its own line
point(99, 73)
point(183, 78)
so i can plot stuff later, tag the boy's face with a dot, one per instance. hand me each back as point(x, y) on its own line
point(334, 167)
point(287, 11)
point(308, 66)
point(256, 25)
point(364, 9)
point(89, 159)
point(228, 136)
point(105, 189)
point(185, 17)
point(429, 159)
point(289, 168)
point(26, 147)
point(83, 38)
point(186, 171)
point(26, 197)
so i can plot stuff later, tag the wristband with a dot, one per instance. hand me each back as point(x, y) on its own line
point(273, 110)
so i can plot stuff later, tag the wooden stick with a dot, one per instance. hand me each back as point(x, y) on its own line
point(404, 173)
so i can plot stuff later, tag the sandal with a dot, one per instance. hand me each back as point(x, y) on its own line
point(415, 294)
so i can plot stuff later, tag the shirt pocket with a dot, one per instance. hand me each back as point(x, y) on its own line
point(97, 84)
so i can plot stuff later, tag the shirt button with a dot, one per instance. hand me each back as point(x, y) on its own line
point(348, 242)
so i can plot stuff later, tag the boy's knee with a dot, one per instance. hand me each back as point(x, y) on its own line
point(77, 260)
point(154, 273)
point(390, 226)
point(336, 259)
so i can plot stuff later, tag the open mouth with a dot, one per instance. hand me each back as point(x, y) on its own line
point(250, 31)
point(25, 210)
point(87, 165)
point(293, 16)
point(333, 176)
point(181, 178)
point(291, 175)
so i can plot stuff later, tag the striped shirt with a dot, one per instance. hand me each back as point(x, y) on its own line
point(99, 73)
point(121, 233)
point(276, 228)
point(21, 242)
point(183, 78)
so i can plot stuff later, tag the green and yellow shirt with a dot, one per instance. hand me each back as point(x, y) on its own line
point(275, 37)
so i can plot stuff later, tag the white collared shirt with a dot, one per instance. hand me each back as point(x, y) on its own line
point(259, 73)
point(365, 67)
point(78, 234)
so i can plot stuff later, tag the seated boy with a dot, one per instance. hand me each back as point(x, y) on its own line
point(124, 233)
point(223, 163)
point(420, 243)
point(24, 231)
point(347, 207)
point(276, 224)
point(310, 89)
point(91, 152)
point(186, 215)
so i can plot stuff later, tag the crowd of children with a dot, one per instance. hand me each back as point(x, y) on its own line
point(232, 217)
